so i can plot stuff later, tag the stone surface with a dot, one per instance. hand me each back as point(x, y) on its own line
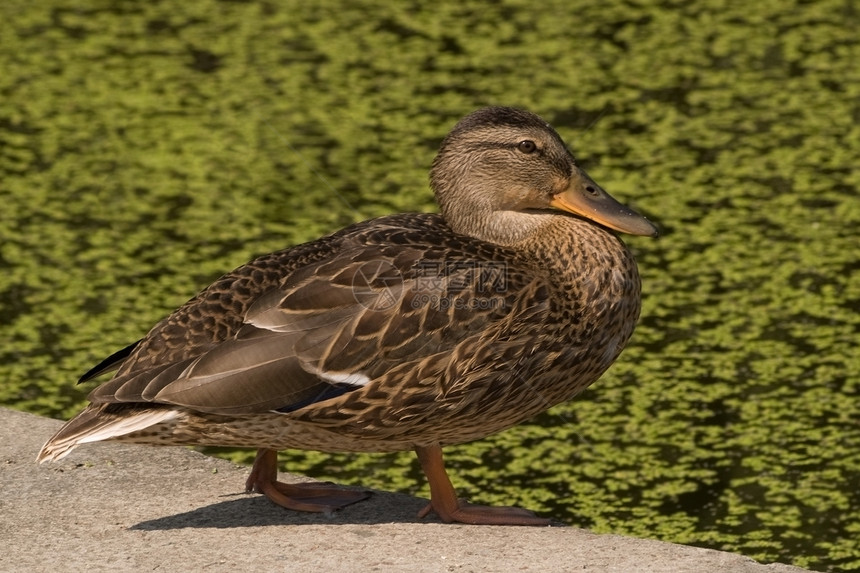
point(120, 507)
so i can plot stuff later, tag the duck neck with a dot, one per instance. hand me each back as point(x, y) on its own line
point(562, 247)
point(572, 251)
point(505, 228)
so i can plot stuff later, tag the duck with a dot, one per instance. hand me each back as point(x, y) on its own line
point(413, 331)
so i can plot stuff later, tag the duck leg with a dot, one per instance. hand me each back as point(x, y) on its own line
point(315, 497)
point(444, 502)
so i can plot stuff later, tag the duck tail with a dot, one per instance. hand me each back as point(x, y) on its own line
point(102, 422)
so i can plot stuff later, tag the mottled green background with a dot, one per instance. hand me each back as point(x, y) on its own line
point(147, 147)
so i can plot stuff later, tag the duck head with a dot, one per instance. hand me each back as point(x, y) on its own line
point(502, 173)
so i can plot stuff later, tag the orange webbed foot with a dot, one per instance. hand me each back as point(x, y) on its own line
point(445, 504)
point(312, 497)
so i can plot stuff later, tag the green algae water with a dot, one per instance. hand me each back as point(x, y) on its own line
point(146, 148)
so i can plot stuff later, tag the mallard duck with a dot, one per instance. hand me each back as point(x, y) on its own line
point(410, 331)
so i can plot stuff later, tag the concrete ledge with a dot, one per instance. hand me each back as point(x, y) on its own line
point(118, 507)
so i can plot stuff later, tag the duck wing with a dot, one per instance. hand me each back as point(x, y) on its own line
point(331, 327)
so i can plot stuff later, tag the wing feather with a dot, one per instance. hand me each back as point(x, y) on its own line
point(329, 326)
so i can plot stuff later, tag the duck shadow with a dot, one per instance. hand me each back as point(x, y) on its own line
point(249, 510)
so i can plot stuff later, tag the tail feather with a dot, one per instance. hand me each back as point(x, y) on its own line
point(102, 422)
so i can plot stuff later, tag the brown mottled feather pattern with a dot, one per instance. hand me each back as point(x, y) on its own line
point(552, 341)
point(433, 335)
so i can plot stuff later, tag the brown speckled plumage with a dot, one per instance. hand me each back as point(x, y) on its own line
point(406, 331)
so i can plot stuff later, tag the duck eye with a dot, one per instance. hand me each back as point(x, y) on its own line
point(527, 146)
